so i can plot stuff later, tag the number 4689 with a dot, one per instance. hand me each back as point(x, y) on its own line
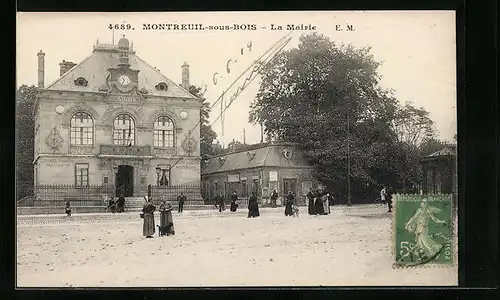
point(120, 27)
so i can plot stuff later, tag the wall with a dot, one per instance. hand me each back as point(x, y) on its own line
point(56, 166)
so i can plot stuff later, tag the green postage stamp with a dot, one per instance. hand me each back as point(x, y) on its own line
point(423, 230)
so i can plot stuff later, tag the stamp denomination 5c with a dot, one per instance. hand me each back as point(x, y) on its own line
point(423, 230)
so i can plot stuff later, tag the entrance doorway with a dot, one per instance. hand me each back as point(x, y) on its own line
point(125, 181)
point(290, 185)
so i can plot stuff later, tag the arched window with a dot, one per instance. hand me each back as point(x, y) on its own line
point(81, 129)
point(163, 135)
point(124, 130)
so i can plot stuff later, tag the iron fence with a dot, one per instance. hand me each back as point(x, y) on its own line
point(170, 193)
point(57, 195)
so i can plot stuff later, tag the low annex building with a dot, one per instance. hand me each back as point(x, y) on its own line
point(115, 119)
point(260, 169)
point(440, 171)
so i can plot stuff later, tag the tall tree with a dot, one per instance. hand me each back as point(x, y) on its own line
point(25, 128)
point(324, 96)
point(207, 135)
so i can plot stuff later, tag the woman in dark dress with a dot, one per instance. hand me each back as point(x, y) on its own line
point(148, 227)
point(166, 220)
point(234, 198)
point(289, 203)
point(318, 204)
point(310, 205)
point(253, 206)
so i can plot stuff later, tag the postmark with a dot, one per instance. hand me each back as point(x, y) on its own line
point(423, 231)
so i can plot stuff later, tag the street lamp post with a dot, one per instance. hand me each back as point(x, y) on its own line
point(158, 171)
point(349, 203)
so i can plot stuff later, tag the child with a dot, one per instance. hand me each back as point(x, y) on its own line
point(68, 209)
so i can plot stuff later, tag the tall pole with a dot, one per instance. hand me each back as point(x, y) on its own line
point(349, 203)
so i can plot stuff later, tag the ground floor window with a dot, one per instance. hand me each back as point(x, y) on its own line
point(81, 174)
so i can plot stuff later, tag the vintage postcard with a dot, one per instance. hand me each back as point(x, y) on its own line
point(212, 149)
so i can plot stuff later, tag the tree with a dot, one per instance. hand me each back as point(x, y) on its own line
point(312, 94)
point(25, 128)
point(430, 145)
point(207, 135)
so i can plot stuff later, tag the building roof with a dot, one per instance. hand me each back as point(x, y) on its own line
point(266, 156)
point(446, 151)
point(95, 70)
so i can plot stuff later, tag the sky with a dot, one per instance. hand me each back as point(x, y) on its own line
point(416, 48)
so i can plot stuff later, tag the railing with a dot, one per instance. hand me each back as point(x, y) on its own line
point(57, 195)
point(126, 150)
point(26, 201)
point(170, 193)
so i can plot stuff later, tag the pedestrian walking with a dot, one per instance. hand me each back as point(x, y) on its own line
point(383, 195)
point(290, 200)
point(253, 206)
point(180, 200)
point(388, 198)
point(220, 202)
point(234, 199)
point(326, 203)
point(68, 209)
point(148, 227)
point(310, 205)
point(121, 203)
point(318, 204)
point(274, 198)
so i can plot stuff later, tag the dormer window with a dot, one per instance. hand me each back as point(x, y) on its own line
point(162, 86)
point(80, 81)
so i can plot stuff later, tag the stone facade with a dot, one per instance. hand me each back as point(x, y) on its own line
point(89, 87)
point(440, 172)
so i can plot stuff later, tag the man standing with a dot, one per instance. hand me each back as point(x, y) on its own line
point(274, 197)
point(121, 203)
point(220, 202)
point(388, 198)
point(383, 194)
point(310, 205)
point(181, 200)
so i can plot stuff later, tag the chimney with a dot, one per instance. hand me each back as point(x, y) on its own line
point(185, 76)
point(41, 69)
point(65, 66)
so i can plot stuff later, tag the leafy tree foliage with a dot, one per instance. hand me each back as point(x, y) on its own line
point(326, 97)
point(25, 127)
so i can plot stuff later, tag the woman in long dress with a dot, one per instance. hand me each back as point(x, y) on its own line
point(253, 206)
point(148, 227)
point(234, 199)
point(318, 205)
point(166, 219)
point(289, 203)
point(326, 203)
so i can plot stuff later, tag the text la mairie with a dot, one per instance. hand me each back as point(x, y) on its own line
point(114, 119)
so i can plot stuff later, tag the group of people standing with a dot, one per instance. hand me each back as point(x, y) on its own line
point(166, 226)
point(318, 202)
point(253, 206)
point(117, 205)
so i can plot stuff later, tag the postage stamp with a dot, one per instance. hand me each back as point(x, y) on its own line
point(423, 231)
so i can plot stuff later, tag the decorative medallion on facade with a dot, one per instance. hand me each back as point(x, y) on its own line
point(54, 140)
point(287, 154)
point(60, 109)
point(183, 115)
point(222, 160)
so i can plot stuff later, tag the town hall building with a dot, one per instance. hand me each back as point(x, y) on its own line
point(114, 119)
